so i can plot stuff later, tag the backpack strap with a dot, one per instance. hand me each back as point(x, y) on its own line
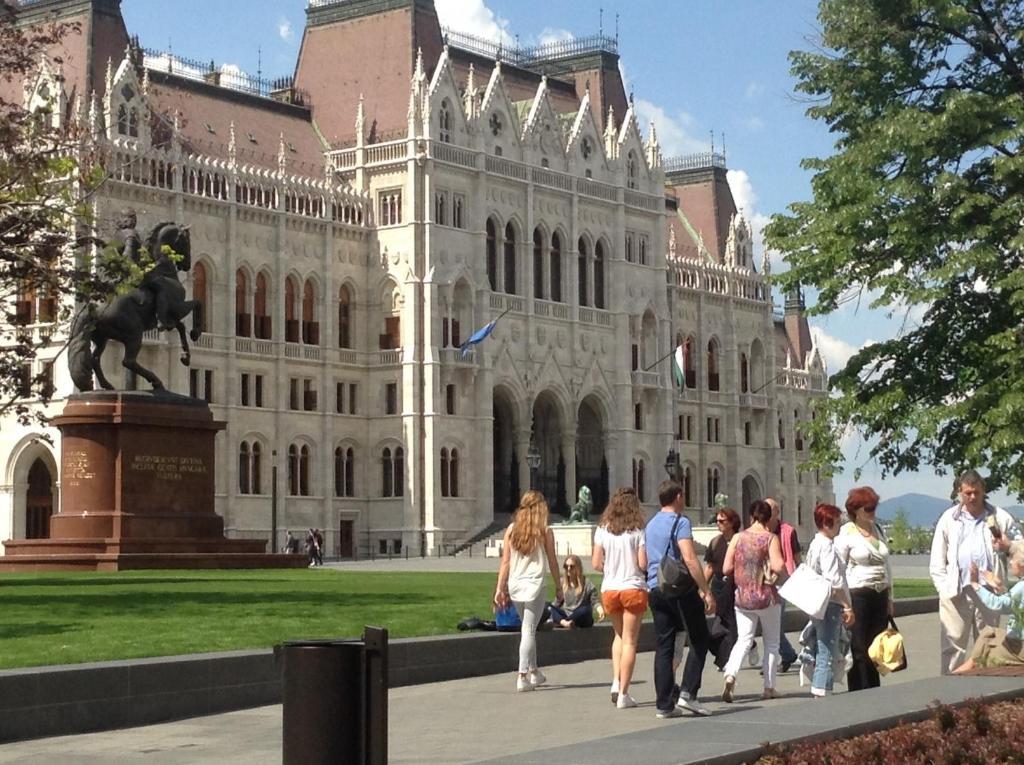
point(672, 537)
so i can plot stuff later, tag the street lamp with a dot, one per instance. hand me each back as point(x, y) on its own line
point(533, 460)
point(273, 501)
point(672, 464)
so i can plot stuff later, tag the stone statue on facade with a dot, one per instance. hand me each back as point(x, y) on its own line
point(721, 500)
point(583, 507)
point(158, 303)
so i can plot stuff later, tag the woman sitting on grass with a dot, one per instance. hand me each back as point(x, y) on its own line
point(997, 647)
point(580, 598)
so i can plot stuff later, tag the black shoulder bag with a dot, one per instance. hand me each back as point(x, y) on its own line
point(674, 578)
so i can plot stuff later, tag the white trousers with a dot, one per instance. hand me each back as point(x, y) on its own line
point(746, 627)
point(961, 618)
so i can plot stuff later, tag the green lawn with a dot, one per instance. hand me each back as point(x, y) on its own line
point(71, 618)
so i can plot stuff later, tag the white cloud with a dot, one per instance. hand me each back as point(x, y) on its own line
point(835, 351)
point(551, 35)
point(674, 131)
point(754, 90)
point(284, 29)
point(474, 17)
point(753, 124)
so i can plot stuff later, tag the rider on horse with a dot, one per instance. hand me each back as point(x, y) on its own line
point(153, 288)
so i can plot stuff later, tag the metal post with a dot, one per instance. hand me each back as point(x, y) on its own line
point(273, 501)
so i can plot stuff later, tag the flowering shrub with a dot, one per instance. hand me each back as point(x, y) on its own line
point(975, 734)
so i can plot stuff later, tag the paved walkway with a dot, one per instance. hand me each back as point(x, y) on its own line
point(568, 721)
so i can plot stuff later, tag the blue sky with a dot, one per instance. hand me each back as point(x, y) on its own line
point(695, 66)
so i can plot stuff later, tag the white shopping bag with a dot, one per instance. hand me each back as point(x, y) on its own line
point(807, 590)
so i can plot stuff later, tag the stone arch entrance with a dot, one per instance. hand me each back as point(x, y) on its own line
point(591, 461)
point(506, 461)
point(38, 501)
point(547, 436)
point(751, 493)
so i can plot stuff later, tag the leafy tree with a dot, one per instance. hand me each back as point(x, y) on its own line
point(920, 211)
point(900, 534)
point(47, 176)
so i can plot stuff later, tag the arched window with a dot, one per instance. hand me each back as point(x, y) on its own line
point(444, 120)
point(122, 120)
point(453, 471)
point(133, 123)
point(291, 311)
point(599, 276)
point(689, 368)
point(344, 318)
point(798, 439)
point(444, 472)
point(310, 326)
point(744, 374)
point(256, 473)
point(387, 474)
point(632, 170)
point(782, 433)
point(714, 479)
point(492, 255)
point(688, 486)
point(713, 381)
point(641, 481)
point(243, 324)
point(399, 471)
point(263, 328)
point(538, 264)
point(510, 259)
point(582, 276)
point(556, 268)
point(244, 457)
point(201, 294)
point(341, 472)
point(304, 455)
point(293, 471)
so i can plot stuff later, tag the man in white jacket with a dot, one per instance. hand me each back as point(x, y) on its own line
point(972, 531)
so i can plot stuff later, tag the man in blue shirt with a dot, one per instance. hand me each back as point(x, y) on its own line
point(674, 614)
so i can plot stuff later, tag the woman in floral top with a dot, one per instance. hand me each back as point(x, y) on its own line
point(753, 559)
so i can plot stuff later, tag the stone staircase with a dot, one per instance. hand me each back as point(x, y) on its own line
point(490, 533)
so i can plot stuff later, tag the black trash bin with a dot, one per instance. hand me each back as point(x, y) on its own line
point(334, 698)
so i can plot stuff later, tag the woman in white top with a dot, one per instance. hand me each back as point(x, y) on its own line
point(862, 548)
point(528, 540)
point(822, 559)
point(620, 554)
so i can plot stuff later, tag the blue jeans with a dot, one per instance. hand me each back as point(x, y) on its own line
point(581, 616)
point(827, 632)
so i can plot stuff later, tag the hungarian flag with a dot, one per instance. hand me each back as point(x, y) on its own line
point(677, 366)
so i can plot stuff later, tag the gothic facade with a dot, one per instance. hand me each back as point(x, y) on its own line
point(354, 224)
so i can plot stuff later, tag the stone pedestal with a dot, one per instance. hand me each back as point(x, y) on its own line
point(137, 491)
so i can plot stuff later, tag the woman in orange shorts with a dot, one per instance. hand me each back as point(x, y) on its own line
point(619, 553)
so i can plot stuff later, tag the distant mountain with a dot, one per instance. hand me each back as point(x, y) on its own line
point(923, 510)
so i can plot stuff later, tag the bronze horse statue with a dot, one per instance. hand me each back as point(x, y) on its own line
point(126, 317)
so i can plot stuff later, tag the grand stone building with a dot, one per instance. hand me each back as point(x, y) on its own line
point(353, 224)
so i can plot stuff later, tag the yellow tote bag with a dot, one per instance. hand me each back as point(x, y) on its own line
point(887, 650)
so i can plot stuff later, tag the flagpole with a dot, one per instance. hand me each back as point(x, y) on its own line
point(652, 366)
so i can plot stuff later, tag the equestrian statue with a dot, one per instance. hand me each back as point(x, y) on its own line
point(158, 303)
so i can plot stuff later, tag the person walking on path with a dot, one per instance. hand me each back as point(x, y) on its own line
point(790, 546)
point(862, 547)
point(619, 553)
point(973, 531)
point(669, 532)
point(753, 560)
point(527, 543)
point(822, 559)
point(998, 647)
point(581, 600)
point(723, 628)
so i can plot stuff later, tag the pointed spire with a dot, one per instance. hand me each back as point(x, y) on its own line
point(610, 144)
point(470, 96)
point(145, 81)
point(360, 122)
point(76, 111)
point(95, 117)
point(418, 73)
point(232, 144)
point(766, 263)
point(108, 80)
point(653, 148)
point(282, 156)
point(129, 54)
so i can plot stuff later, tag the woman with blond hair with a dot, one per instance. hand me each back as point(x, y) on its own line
point(580, 598)
point(528, 541)
point(619, 552)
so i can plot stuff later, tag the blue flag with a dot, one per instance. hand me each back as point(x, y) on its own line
point(477, 337)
